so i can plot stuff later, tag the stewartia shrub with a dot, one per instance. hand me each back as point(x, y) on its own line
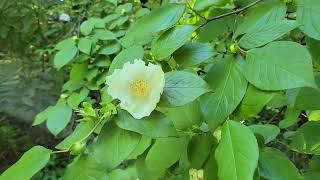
point(184, 90)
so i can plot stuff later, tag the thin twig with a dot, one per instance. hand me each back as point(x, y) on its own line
point(231, 13)
point(196, 12)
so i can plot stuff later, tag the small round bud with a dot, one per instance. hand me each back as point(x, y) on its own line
point(77, 148)
point(233, 48)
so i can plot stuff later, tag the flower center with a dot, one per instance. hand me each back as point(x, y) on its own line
point(139, 88)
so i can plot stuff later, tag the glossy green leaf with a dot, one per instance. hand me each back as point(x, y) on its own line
point(199, 149)
point(114, 145)
point(80, 132)
point(84, 45)
point(128, 173)
point(186, 117)
point(253, 101)
point(229, 87)
point(237, 153)
point(64, 56)
point(183, 87)
point(266, 33)
point(126, 55)
point(308, 15)
point(268, 131)
point(211, 168)
point(76, 98)
point(272, 163)
point(86, 27)
point(144, 173)
point(110, 48)
point(171, 40)
point(76, 77)
point(264, 13)
point(290, 117)
point(307, 99)
point(200, 5)
point(155, 125)
point(145, 28)
point(192, 54)
point(313, 47)
point(160, 157)
point(58, 118)
point(85, 167)
point(28, 165)
point(42, 116)
point(279, 65)
point(143, 144)
point(103, 34)
point(306, 139)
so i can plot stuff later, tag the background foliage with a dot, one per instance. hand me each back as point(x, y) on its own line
point(241, 99)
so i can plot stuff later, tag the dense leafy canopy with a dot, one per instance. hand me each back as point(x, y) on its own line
point(228, 65)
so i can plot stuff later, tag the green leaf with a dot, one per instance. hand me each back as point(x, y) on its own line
point(306, 139)
point(144, 173)
point(183, 87)
point(308, 15)
point(58, 118)
point(211, 167)
point(279, 65)
point(114, 145)
point(186, 117)
point(313, 169)
point(80, 132)
point(313, 47)
point(216, 28)
point(155, 125)
point(126, 55)
point(264, 13)
point(64, 56)
point(42, 116)
point(268, 131)
point(192, 54)
point(165, 152)
point(76, 77)
point(76, 98)
point(127, 7)
point(307, 99)
point(128, 173)
point(144, 29)
point(199, 149)
point(65, 43)
point(200, 5)
point(290, 117)
point(28, 165)
point(273, 164)
point(86, 27)
point(103, 34)
point(84, 45)
point(266, 33)
point(229, 87)
point(144, 143)
point(110, 48)
point(85, 167)
point(237, 153)
point(171, 40)
point(253, 101)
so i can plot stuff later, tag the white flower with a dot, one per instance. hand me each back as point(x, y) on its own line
point(137, 86)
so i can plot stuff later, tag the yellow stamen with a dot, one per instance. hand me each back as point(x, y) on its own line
point(139, 88)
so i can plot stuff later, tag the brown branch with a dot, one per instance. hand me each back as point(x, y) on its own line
point(231, 13)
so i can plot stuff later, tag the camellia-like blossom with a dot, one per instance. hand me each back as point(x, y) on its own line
point(137, 86)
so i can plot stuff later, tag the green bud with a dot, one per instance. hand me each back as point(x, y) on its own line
point(233, 48)
point(77, 148)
